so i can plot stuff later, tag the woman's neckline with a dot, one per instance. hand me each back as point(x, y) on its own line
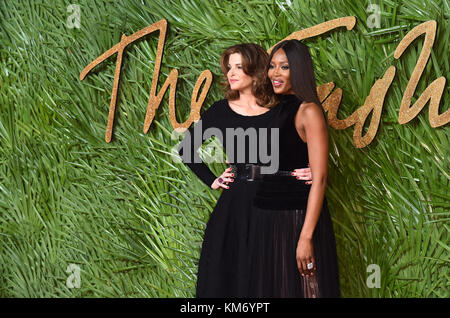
point(247, 116)
point(284, 97)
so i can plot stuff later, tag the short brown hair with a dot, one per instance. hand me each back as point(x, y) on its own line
point(254, 61)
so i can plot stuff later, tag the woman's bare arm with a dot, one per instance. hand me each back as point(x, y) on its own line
point(311, 125)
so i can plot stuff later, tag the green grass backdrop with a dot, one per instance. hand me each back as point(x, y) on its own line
point(130, 217)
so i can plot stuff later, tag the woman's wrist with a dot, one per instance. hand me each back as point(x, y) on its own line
point(306, 236)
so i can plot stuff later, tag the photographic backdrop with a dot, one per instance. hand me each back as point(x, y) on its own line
point(82, 217)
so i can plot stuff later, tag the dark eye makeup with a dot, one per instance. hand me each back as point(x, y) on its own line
point(283, 67)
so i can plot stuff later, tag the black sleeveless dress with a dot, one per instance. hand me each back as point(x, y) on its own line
point(277, 219)
point(223, 269)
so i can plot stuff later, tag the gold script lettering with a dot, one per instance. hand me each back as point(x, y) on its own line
point(319, 29)
point(154, 99)
point(330, 99)
point(374, 102)
point(434, 91)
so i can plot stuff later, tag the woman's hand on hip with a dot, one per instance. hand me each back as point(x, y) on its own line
point(303, 174)
point(223, 180)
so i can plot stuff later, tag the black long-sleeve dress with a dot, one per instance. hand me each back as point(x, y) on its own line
point(223, 269)
point(277, 220)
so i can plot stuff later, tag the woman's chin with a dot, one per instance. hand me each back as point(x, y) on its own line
point(279, 90)
point(236, 87)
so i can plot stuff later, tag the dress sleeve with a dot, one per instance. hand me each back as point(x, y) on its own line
point(190, 144)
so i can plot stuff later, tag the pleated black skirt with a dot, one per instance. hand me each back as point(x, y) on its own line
point(273, 266)
point(250, 251)
point(223, 269)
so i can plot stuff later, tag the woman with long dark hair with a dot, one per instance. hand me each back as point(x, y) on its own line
point(244, 115)
point(292, 238)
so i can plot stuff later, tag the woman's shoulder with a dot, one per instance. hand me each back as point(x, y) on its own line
point(216, 114)
point(309, 109)
point(220, 102)
point(216, 107)
point(309, 112)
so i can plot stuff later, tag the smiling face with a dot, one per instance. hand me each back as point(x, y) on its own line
point(279, 73)
point(237, 78)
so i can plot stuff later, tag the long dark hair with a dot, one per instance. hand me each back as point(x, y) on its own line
point(254, 60)
point(301, 70)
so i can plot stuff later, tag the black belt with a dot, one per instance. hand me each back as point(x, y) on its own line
point(251, 172)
